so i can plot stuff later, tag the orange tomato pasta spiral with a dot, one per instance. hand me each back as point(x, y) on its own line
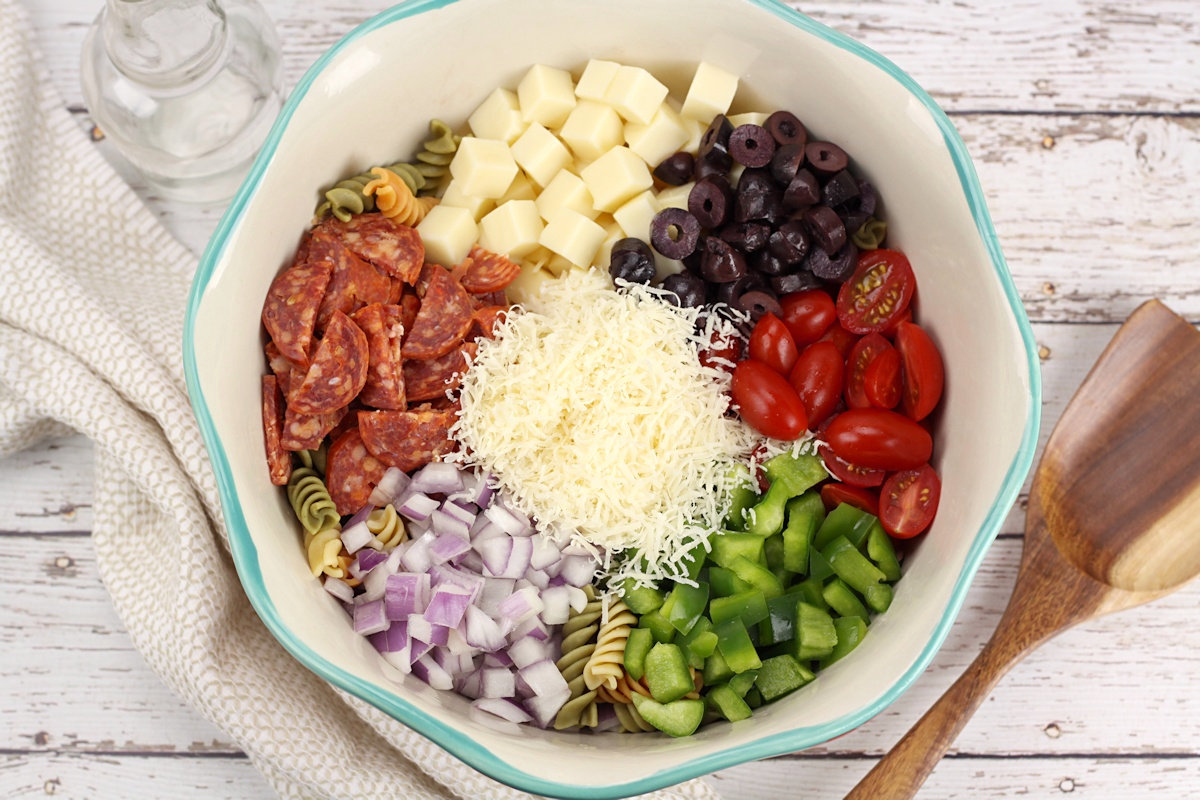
point(395, 200)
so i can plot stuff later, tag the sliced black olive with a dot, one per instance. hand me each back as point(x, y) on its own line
point(786, 163)
point(751, 145)
point(714, 144)
point(802, 192)
point(749, 237)
point(839, 189)
point(711, 201)
point(676, 170)
point(789, 242)
point(758, 303)
point(825, 227)
point(722, 262)
point(631, 263)
point(769, 264)
point(757, 197)
point(838, 267)
point(826, 158)
point(728, 293)
point(674, 233)
point(786, 128)
point(794, 282)
point(685, 289)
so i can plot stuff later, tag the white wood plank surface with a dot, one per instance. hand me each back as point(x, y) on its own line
point(1083, 117)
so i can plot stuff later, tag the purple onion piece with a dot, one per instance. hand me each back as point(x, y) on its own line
point(393, 482)
point(504, 709)
point(437, 477)
point(428, 670)
point(339, 589)
point(447, 605)
point(416, 506)
point(406, 593)
point(370, 618)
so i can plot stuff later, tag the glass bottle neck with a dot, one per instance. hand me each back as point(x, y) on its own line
point(164, 42)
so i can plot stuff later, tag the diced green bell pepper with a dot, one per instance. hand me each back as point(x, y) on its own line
point(667, 675)
point(742, 682)
point(804, 516)
point(734, 644)
point(842, 599)
point(845, 520)
point(796, 473)
point(810, 591)
point(723, 583)
point(750, 606)
point(741, 498)
point(636, 647)
point(727, 546)
point(641, 599)
point(879, 597)
point(850, 565)
point(698, 643)
point(773, 552)
point(816, 634)
point(766, 518)
point(819, 568)
point(728, 703)
point(758, 576)
point(780, 624)
point(850, 631)
point(684, 605)
point(677, 718)
point(716, 669)
point(779, 676)
point(694, 561)
point(881, 551)
point(753, 697)
point(658, 625)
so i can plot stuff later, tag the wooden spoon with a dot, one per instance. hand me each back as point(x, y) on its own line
point(1113, 522)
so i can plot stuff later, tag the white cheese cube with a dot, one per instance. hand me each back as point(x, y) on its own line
point(573, 236)
point(635, 94)
point(448, 233)
point(695, 129)
point(615, 177)
point(664, 266)
point(663, 136)
point(635, 214)
point(748, 118)
point(540, 153)
point(512, 229)
point(521, 188)
point(565, 190)
point(592, 129)
point(546, 95)
point(498, 117)
point(483, 167)
point(612, 235)
point(557, 265)
point(528, 284)
point(596, 77)
point(675, 196)
point(455, 196)
point(711, 93)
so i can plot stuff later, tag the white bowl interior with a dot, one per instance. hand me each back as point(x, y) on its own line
point(373, 101)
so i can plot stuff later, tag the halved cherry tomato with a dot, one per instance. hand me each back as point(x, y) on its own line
point(841, 338)
point(849, 473)
point(924, 373)
point(877, 293)
point(909, 501)
point(808, 314)
point(771, 343)
point(907, 316)
point(817, 378)
point(881, 381)
point(834, 494)
point(719, 351)
point(878, 438)
point(767, 402)
point(864, 351)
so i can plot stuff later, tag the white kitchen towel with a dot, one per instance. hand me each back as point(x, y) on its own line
point(92, 297)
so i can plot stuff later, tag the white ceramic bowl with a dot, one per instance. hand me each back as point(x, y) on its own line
point(371, 96)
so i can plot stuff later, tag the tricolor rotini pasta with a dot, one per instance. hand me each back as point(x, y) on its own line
point(387, 528)
point(578, 644)
point(310, 499)
point(433, 162)
point(395, 199)
point(605, 665)
point(326, 555)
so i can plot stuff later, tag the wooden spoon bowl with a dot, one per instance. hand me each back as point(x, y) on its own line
point(1113, 522)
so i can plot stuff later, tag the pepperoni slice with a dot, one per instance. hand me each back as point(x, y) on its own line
point(351, 472)
point(394, 248)
point(306, 431)
point(385, 376)
point(353, 284)
point(338, 370)
point(428, 380)
point(443, 319)
point(290, 310)
point(284, 369)
point(407, 439)
point(487, 271)
point(487, 318)
point(279, 463)
point(409, 305)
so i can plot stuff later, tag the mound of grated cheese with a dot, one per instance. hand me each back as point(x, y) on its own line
point(593, 413)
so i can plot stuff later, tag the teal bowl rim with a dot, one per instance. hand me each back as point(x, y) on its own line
point(245, 554)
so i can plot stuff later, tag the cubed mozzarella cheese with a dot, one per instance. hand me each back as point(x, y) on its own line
point(512, 228)
point(540, 153)
point(448, 233)
point(596, 77)
point(498, 117)
point(675, 196)
point(635, 94)
point(711, 93)
point(521, 188)
point(572, 236)
point(748, 118)
point(565, 190)
point(546, 95)
point(615, 177)
point(455, 196)
point(483, 167)
point(636, 213)
point(664, 135)
point(592, 129)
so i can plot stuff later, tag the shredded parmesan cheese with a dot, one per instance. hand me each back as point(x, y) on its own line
point(592, 412)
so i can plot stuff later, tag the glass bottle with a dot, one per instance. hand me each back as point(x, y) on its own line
point(186, 90)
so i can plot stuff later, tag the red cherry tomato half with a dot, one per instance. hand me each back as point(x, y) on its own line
point(864, 351)
point(834, 494)
point(924, 373)
point(907, 316)
point(878, 292)
point(849, 473)
point(841, 338)
point(909, 501)
point(772, 344)
point(881, 380)
point(817, 378)
point(808, 314)
point(767, 402)
point(720, 351)
point(878, 438)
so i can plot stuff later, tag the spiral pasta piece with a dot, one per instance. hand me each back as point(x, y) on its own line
point(386, 527)
point(347, 198)
point(311, 501)
point(870, 234)
point(314, 459)
point(395, 199)
point(433, 162)
point(326, 555)
point(606, 664)
point(578, 644)
point(631, 721)
point(626, 687)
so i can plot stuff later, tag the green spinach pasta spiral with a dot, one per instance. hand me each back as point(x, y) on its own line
point(314, 459)
point(870, 235)
point(607, 662)
point(631, 721)
point(578, 644)
point(433, 162)
point(311, 501)
point(346, 198)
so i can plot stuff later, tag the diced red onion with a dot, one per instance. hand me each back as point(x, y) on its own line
point(392, 565)
point(507, 521)
point(483, 631)
point(545, 709)
point(557, 602)
point(528, 650)
point(482, 531)
point(447, 605)
point(399, 660)
point(497, 659)
point(442, 523)
point(520, 605)
point(545, 552)
point(393, 482)
point(494, 590)
point(458, 512)
point(578, 570)
point(416, 647)
point(577, 548)
point(394, 639)
point(367, 560)
point(469, 685)
point(578, 599)
point(472, 582)
point(472, 561)
point(370, 618)
point(457, 643)
point(606, 718)
point(419, 628)
point(375, 584)
point(518, 559)
point(356, 536)
point(339, 589)
point(406, 593)
point(538, 578)
point(504, 709)
point(457, 664)
point(497, 682)
point(544, 679)
point(416, 506)
point(437, 477)
point(447, 546)
point(416, 557)
point(533, 627)
point(495, 554)
point(427, 670)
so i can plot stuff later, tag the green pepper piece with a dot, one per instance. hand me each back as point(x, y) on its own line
point(723, 583)
point(728, 546)
point(811, 592)
point(684, 605)
point(741, 497)
point(696, 645)
point(881, 551)
point(879, 597)
point(850, 631)
point(780, 624)
point(728, 703)
point(678, 718)
point(636, 647)
point(842, 599)
point(750, 606)
point(816, 634)
point(779, 676)
point(742, 682)
point(804, 516)
point(659, 627)
point(641, 599)
point(819, 568)
point(773, 552)
point(753, 698)
point(716, 669)
point(694, 560)
point(733, 642)
point(766, 518)
point(845, 520)
point(758, 576)
point(667, 675)
point(851, 565)
point(796, 473)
